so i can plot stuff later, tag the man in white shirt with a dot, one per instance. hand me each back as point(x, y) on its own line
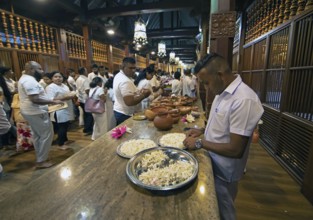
point(94, 73)
point(33, 104)
point(234, 114)
point(176, 84)
point(103, 75)
point(71, 79)
point(189, 87)
point(82, 91)
point(125, 92)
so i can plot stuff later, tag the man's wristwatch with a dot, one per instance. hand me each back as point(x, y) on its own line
point(198, 143)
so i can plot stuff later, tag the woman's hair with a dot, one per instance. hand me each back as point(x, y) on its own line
point(50, 75)
point(81, 70)
point(109, 83)
point(95, 81)
point(6, 92)
point(177, 75)
point(143, 75)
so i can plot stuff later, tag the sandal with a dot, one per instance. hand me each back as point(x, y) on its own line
point(44, 164)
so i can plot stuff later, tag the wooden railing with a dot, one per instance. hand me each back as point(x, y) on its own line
point(25, 34)
point(141, 62)
point(100, 51)
point(75, 45)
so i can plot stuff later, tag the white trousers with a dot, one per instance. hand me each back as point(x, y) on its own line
point(42, 131)
point(226, 194)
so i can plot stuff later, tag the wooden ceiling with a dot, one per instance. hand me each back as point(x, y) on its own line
point(174, 21)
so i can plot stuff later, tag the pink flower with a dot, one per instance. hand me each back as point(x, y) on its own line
point(118, 132)
point(183, 119)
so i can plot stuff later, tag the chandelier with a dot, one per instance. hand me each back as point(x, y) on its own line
point(161, 49)
point(177, 60)
point(140, 35)
point(172, 57)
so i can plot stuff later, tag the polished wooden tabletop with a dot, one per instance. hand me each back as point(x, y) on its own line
point(92, 184)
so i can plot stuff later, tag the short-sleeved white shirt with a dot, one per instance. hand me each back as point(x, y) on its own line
point(154, 82)
point(92, 75)
point(123, 86)
point(176, 87)
point(236, 110)
point(11, 85)
point(82, 84)
point(98, 91)
point(71, 82)
point(57, 91)
point(27, 85)
point(188, 86)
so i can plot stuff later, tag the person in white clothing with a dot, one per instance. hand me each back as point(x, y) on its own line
point(176, 84)
point(8, 76)
point(82, 92)
point(33, 105)
point(143, 82)
point(45, 80)
point(234, 114)
point(111, 121)
point(189, 87)
point(61, 118)
point(71, 79)
point(97, 92)
point(94, 73)
point(103, 74)
point(126, 95)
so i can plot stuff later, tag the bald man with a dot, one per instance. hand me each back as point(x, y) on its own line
point(234, 114)
point(33, 103)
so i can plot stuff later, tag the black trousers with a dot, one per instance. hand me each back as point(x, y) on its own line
point(61, 130)
point(88, 120)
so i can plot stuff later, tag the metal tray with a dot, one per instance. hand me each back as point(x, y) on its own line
point(163, 145)
point(175, 154)
point(119, 152)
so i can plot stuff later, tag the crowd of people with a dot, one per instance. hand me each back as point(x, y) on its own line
point(236, 109)
point(33, 125)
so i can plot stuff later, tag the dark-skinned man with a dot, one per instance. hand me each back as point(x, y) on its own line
point(234, 114)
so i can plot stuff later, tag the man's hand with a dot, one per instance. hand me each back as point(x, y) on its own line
point(189, 142)
point(194, 132)
point(145, 92)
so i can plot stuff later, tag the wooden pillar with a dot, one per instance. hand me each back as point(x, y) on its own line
point(126, 48)
point(223, 22)
point(147, 59)
point(88, 47)
point(62, 47)
point(110, 58)
point(17, 69)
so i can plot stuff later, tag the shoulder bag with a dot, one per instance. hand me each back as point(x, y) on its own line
point(94, 106)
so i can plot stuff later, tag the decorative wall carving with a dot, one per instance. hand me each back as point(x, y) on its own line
point(223, 24)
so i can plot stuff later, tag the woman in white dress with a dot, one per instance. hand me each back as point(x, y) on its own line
point(100, 121)
point(61, 118)
point(111, 121)
point(143, 82)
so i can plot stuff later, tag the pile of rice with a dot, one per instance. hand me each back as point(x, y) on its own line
point(173, 140)
point(132, 147)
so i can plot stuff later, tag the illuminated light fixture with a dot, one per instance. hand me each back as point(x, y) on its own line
point(176, 60)
point(140, 35)
point(152, 53)
point(172, 57)
point(110, 32)
point(180, 62)
point(161, 49)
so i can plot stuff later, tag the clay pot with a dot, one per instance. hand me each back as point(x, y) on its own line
point(150, 114)
point(163, 121)
point(175, 117)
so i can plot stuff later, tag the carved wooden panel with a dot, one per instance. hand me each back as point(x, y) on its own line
point(223, 24)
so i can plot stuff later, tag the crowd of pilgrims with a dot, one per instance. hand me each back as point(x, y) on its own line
point(75, 86)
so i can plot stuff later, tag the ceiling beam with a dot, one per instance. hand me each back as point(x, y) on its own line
point(69, 6)
point(146, 8)
point(173, 33)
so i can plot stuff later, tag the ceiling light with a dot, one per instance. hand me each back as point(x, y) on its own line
point(172, 57)
point(140, 35)
point(110, 32)
point(161, 49)
point(152, 52)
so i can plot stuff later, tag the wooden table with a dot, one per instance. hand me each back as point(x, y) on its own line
point(92, 184)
